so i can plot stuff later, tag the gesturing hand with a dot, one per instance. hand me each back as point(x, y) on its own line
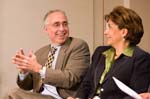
point(26, 63)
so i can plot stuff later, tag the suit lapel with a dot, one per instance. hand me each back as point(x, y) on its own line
point(43, 57)
point(99, 69)
point(114, 69)
point(62, 53)
point(60, 57)
point(108, 76)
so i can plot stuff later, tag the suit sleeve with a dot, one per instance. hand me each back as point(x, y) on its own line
point(141, 73)
point(27, 83)
point(140, 79)
point(87, 87)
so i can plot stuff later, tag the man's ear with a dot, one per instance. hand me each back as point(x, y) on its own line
point(45, 29)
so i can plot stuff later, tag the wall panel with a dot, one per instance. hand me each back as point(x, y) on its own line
point(142, 8)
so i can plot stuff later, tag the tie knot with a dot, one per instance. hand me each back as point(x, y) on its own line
point(53, 50)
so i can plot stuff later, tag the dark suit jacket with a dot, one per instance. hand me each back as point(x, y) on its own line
point(133, 71)
point(72, 64)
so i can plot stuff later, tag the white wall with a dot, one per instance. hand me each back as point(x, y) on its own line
point(142, 7)
point(21, 26)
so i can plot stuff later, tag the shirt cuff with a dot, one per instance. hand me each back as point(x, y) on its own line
point(43, 72)
point(23, 76)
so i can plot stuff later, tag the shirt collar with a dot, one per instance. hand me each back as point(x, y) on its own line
point(111, 52)
point(56, 46)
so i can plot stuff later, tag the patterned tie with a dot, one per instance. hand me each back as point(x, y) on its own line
point(48, 64)
point(50, 57)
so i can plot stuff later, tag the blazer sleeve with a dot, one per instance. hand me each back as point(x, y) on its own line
point(140, 79)
point(141, 73)
point(87, 88)
point(27, 83)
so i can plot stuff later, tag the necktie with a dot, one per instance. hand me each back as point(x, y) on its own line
point(48, 64)
point(50, 57)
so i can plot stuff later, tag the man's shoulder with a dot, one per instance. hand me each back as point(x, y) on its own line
point(44, 48)
point(77, 40)
point(76, 44)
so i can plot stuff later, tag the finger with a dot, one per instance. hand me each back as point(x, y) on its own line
point(31, 53)
point(21, 51)
point(21, 67)
point(24, 67)
point(17, 53)
point(22, 57)
point(19, 61)
point(13, 60)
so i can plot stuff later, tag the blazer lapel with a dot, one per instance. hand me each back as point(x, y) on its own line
point(108, 76)
point(99, 69)
point(115, 67)
point(62, 53)
point(60, 57)
point(43, 57)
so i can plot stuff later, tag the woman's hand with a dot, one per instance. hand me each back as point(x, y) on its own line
point(70, 98)
point(145, 95)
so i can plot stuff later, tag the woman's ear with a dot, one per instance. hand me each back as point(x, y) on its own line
point(124, 32)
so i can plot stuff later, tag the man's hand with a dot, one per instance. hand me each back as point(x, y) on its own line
point(26, 63)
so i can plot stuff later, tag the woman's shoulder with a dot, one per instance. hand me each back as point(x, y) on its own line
point(139, 52)
point(102, 48)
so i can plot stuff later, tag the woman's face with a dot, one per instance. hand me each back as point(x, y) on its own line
point(114, 35)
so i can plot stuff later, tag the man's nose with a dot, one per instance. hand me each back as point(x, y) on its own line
point(62, 27)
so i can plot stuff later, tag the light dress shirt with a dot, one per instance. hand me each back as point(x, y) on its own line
point(48, 89)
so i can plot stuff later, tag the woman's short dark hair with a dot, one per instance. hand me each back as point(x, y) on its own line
point(129, 19)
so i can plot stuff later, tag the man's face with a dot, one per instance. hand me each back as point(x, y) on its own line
point(57, 28)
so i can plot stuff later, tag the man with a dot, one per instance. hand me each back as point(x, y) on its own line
point(62, 77)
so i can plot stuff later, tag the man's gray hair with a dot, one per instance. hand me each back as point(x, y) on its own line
point(50, 12)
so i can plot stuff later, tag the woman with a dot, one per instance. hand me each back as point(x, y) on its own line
point(122, 59)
